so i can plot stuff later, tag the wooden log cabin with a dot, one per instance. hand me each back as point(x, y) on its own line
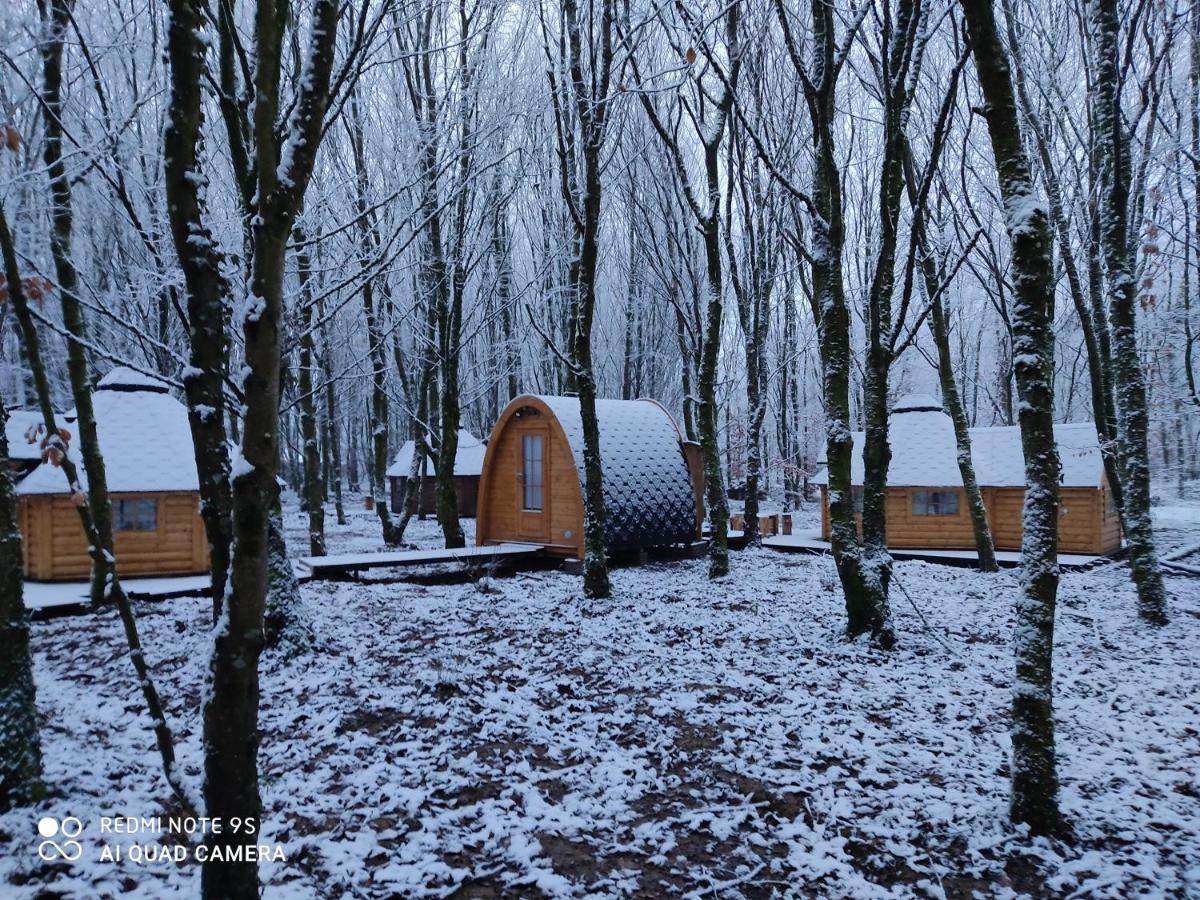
point(926, 504)
point(468, 466)
point(151, 467)
point(532, 484)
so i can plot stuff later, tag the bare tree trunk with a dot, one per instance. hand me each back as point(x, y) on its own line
point(711, 126)
point(751, 281)
point(207, 290)
point(314, 489)
point(940, 328)
point(232, 690)
point(1099, 369)
point(985, 548)
point(1189, 338)
point(1034, 764)
point(333, 434)
point(20, 740)
point(1128, 381)
point(591, 96)
point(287, 627)
point(375, 348)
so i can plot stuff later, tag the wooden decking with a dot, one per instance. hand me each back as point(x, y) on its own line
point(349, 563)
point(811, 542)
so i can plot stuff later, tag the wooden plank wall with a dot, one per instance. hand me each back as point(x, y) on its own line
point(467, 487)
point(55, 547)
point(1083, 527)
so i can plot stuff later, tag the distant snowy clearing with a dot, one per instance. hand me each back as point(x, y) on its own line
point(687, 736)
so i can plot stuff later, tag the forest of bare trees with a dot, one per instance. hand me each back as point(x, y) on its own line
point(338, 226)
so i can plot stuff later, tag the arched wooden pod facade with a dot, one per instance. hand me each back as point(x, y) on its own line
point(532, 484)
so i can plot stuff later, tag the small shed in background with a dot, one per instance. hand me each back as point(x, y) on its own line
point(23, 455)
point(927, 505)
point(533, 476)
point(468, 466)
point(151, 466)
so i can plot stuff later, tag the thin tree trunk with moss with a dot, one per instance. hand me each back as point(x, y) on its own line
point(332, 425)
point(333, 434)
point(56, 447)
point(591, 115)
point(752, 283)
point(376, 354)
point(314, 488)
point(58, 15)
point(1034, 761)
point(20, 739)
point(705, 207)
point(1128, 380)
point(985, 547)
point(714, 484)
point(1099, 370)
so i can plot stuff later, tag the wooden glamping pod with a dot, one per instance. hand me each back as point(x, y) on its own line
point(468, 464)
point(532, 484)
point(151, 467)
point(926, 504)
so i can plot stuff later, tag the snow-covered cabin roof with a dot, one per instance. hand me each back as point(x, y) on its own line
point(924, 451)
point(144, 438)
point(1000, 462)
point(123, 378)
point(647, 490)
point(20, 421)
point(468, 460)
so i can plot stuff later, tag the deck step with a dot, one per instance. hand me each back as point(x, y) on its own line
point(344, 563)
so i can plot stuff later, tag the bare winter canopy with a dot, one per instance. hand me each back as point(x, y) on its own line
point(337, 228)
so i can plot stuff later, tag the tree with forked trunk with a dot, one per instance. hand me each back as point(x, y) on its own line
point(283, 158)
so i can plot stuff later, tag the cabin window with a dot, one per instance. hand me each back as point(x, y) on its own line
point(935, 503)
point(857, 494)
point(531, 471)
point(135, 515)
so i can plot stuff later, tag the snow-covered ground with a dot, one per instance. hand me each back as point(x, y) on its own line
point(722, 739)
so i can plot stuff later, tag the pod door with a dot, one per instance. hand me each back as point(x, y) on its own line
point(533, 484)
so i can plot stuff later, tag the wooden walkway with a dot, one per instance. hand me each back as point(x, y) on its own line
point(810, 542)
point(348, 563)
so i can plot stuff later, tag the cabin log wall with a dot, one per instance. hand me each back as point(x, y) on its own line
point(1083, 525)
point(465, 486)
point(55, 548)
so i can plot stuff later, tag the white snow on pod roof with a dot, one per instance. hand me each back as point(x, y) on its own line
point(144, 438)
point(468, 460)
point(925, 453)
